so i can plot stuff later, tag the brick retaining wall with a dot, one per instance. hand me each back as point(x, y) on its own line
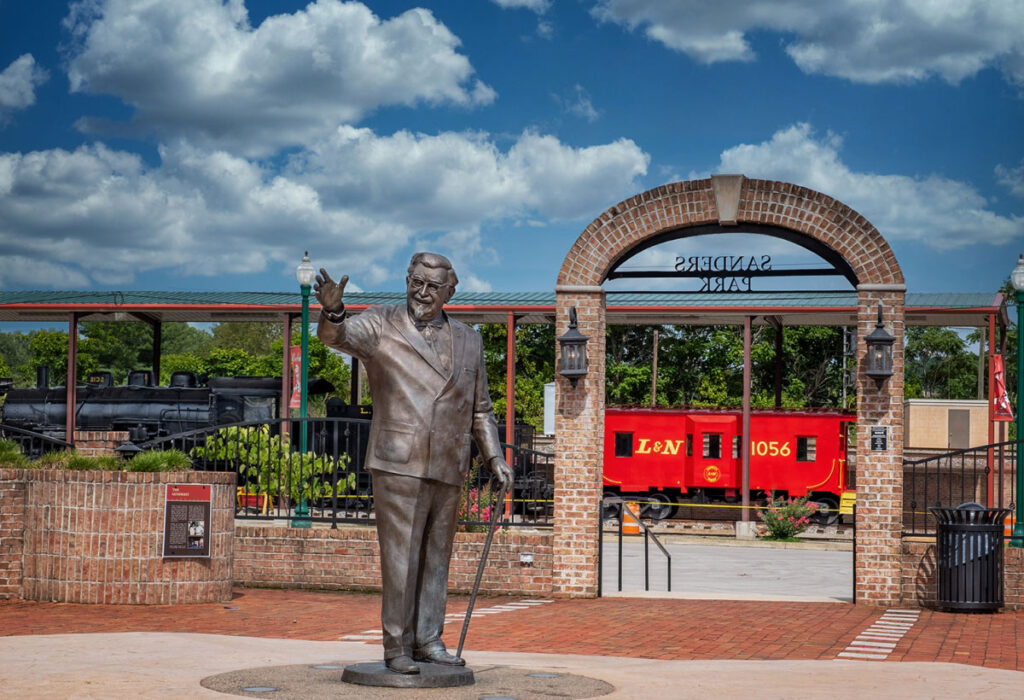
point(348, 559)
point(918, 580)
point(97, 536)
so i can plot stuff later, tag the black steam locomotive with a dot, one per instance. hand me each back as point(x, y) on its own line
point(142, 408)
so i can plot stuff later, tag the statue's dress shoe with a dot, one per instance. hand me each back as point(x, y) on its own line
point(402, 664)
point(438, 656)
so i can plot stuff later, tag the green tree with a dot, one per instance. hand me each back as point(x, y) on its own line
point(118, 347)
point(229, 362)
point(50, 349)
point(535, 367)
point(938, 365)
point(182, 338)
point(15, 352)
point(254, 338)
point(182, 362)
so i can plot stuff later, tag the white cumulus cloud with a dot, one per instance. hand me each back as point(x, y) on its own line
point(538, 6)
point(18, 83)
point(577, 103)
point(458, 180)
point(1011, 178)
point(867, 41)
point(936, 211)
point(197, 68)
point(105, 214)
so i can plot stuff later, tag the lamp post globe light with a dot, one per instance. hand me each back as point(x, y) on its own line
point(1017, 279)
point(305, 273)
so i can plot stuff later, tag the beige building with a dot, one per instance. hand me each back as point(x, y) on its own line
point(945, 424)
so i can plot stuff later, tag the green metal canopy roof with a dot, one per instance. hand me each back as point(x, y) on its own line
point(791, 308)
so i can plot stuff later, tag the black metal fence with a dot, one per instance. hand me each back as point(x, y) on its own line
point(328, 482)
point(984, 475)
point(33, 445)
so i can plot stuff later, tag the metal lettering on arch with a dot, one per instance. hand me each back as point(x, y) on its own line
point(732, 273)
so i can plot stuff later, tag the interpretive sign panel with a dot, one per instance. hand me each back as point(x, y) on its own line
point(187, 520)
point(879, 438)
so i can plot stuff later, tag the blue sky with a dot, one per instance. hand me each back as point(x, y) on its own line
point(203, 145)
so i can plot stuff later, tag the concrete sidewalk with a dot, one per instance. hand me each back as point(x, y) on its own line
point(641, 646)
point(163, 665)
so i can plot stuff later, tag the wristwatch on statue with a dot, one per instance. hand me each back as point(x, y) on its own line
point(334, 316)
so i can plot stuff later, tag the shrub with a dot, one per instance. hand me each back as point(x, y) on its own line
point(73, 461)
point(784, 519)
point(475, 503)
point(10, 454)
point(270, 466)
point(159, 461)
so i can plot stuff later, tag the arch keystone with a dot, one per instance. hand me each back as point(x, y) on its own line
point(727, 190)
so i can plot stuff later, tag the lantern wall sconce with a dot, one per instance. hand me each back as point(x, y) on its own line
point(573, 346)
point(879, 358)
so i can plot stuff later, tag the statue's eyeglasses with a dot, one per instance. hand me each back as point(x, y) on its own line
point(420, 283)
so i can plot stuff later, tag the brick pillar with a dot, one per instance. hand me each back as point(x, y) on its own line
point(879, 474)
point(12, 532)
point(579, 436)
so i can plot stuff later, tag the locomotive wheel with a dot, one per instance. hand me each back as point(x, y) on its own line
point(610, 505)
point(829, 516)
point(658, 506)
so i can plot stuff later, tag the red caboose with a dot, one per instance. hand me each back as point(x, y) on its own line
point(666, 455)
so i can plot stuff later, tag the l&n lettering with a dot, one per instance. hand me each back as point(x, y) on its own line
point(661, 447)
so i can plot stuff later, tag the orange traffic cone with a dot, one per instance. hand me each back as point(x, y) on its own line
point(630, 518)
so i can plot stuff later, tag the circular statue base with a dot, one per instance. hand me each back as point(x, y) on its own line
point(323, 680)
point(376, 673)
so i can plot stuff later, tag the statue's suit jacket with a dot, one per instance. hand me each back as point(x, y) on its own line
point(423, 417)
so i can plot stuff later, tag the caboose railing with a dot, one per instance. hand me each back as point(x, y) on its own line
point(982, 475)
point(32, 444)
point(275, 480)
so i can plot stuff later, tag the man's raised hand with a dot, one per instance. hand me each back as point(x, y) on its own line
point(329, 293)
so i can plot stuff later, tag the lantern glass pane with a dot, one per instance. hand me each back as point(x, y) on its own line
point(1017, 276)
point(305, 273)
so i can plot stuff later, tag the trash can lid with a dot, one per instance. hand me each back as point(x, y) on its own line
point(970, 505)
point(967, 513)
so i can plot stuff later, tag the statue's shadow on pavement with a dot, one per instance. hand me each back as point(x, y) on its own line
point(308, 682)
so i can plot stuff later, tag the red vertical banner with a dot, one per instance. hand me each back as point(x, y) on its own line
point(296, 400)
point(1001, 410)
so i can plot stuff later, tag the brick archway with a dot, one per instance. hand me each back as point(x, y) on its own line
point(727, 200)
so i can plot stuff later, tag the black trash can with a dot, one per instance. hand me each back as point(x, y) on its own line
point(969, 553)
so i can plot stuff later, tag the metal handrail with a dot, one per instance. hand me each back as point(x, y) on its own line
point(22, 436)
point(648, 535)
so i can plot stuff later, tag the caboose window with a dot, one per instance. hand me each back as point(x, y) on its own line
point(736, 446)
point(689, 444)
point(712, 445)
point(806, 449)
point(623, 444)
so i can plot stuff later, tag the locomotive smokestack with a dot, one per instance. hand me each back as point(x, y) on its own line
point(42, 377)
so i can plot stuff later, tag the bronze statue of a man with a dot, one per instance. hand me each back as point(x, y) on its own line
point(430, 399)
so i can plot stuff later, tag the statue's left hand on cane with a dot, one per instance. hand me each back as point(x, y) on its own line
point(502, 472)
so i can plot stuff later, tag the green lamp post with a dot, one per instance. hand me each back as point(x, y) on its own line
point(1017, 279)
point(305, 274)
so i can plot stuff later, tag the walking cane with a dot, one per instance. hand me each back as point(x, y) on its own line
point(483, 561)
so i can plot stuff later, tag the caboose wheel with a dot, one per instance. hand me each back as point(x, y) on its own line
point(658, 506)
point(610, 505)
point(829, 509)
